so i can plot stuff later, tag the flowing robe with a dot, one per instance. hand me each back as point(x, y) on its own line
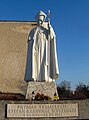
point(38, 67)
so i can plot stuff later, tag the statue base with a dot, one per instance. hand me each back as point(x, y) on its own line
point(46, 88)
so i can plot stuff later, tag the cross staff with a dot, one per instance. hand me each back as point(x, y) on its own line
point(48, 43)
point(49, 19)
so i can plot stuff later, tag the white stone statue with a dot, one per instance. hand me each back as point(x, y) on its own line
point(42, 63)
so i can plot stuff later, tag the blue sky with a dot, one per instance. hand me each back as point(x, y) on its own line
point(70, 20)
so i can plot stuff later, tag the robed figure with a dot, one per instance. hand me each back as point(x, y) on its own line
point(42, 63)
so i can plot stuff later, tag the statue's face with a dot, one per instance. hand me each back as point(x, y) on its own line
point(40, 20)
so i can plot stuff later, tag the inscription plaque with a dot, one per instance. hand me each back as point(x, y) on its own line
point(42, 110)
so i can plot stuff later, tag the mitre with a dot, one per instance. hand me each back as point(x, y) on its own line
point(39, 15)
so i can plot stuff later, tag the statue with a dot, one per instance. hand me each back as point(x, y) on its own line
point(42, 63)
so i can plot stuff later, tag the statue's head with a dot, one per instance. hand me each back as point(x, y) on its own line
point(40, 17)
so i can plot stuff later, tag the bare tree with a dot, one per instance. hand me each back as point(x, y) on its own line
point(64, 89)
point(82, 88)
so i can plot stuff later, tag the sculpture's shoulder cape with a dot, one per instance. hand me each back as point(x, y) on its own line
point(33, 32)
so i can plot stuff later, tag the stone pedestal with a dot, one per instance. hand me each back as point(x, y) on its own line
point(46, 88)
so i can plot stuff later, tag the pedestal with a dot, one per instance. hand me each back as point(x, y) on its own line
point(46, 88)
